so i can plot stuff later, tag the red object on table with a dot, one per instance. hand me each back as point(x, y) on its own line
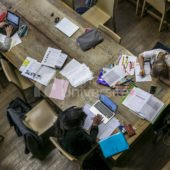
point(2, 16)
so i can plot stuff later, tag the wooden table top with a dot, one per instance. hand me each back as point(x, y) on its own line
point(43, 34)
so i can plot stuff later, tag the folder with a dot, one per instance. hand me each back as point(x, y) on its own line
point(113, 144)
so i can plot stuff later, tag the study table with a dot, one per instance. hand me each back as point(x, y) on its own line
point(43, 34)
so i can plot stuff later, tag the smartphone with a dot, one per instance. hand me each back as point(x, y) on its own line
point(152, 89)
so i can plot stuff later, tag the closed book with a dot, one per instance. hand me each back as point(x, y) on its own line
point(113, 144)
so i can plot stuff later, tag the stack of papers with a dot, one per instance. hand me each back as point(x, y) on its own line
point(105, 130)
point(144, 104)
point(59, 89)
point(127, 64)
point(147, 76)
point(77, 73)
point(67, 27)
point(114, 75)
point(54, 58)
point(34, 70)
point(15, 39)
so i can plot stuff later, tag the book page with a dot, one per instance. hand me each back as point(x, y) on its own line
point(114, 75)
point(136, 99)
point(152, 108)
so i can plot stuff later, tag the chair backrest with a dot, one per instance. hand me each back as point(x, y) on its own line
point(70, 3)
point(9, 72)
point(40, 118)
point(62, 151)
point(107, 6)
point(109, 32)
point(158, 5)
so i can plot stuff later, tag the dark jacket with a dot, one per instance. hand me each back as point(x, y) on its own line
point(15, 114)
point(76, 141)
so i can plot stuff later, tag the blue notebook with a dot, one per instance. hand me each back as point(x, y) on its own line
point(113, 144)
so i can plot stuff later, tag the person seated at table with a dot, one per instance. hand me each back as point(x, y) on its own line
point(7, 43)
point(70, 134)
point(160, 64)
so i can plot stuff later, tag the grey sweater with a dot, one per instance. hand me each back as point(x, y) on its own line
point(6, 45)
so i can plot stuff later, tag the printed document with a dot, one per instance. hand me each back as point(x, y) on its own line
point(77, 73)
point(54, 58)
point(67, 27)
point(26, 63)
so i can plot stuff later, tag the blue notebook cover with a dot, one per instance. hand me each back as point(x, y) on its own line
point(113, 144)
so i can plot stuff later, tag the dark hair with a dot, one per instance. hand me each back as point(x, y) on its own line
point(71, 118)
point(160, 69)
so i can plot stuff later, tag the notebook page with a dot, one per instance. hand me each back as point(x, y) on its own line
point(147, 76)
point(67, 27)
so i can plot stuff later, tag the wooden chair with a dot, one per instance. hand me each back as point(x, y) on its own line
point(14, 77)
point(110, 33)
point(100, 13)
point(160, 5)
point(41, 118)
point(70, 157)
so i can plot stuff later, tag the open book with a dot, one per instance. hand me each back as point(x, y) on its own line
point(144, 104)
point(114, 75)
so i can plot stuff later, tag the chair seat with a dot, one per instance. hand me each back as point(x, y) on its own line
point(96, 16)
point(40, 118)
point(25, 83)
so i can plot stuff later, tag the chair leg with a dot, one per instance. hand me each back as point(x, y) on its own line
point(162, 19)
point(143, 8)
point(23, 95)
point(137, 6)
point(114, 15)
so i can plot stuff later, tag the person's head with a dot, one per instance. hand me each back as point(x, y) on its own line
point(73, 117)
point(160, 69)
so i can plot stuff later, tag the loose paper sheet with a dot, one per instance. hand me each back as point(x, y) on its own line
point(59, 89)
point(67, 27)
